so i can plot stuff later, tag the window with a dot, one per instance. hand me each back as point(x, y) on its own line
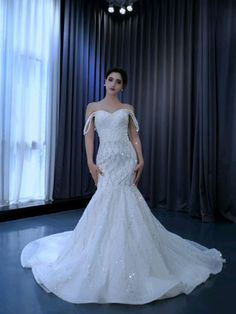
point(29, 75)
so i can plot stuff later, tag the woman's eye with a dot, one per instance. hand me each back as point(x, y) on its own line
point(110, 79)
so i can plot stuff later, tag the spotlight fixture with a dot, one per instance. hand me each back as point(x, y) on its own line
point(122, 5)
point(129, 8)
point(122, 10)
point(111, 9)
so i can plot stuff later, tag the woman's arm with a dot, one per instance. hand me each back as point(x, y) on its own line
point(89, 147)
point(89, 138)
point(135, 140)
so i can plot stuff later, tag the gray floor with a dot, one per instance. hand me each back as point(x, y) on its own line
point(20, 293)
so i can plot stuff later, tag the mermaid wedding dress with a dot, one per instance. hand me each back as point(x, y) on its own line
point(118, 252)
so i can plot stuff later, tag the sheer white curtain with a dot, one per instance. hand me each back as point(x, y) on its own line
point(29, 89)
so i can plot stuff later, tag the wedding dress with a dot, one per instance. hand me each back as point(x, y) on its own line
point(118, 252)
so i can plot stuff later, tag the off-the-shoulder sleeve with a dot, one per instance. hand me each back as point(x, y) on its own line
point(134, 120)
point(88, 122)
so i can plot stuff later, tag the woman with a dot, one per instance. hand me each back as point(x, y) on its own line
point(118, 252)
point(115, 82)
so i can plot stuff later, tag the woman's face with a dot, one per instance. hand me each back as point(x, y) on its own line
point(114, 83)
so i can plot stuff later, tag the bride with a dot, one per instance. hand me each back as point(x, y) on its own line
point(118, 252)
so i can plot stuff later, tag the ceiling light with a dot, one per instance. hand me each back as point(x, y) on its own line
point(111, 9)
point(130, 8)
point(122, 10)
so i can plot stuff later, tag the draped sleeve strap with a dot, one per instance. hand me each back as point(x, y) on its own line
point(88, 122)
point(131, 114)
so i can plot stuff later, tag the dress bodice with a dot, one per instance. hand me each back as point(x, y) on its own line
point(116, 156)
point(111, 126)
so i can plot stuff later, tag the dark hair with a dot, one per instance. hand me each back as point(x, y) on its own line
point(122, 73)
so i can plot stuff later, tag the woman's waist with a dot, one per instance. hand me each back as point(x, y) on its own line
point(103, 140)
point(112, 149)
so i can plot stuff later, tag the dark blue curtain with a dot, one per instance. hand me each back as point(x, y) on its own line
point(225, 68)
point(179, 59)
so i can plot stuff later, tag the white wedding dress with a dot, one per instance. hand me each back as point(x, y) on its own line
point(118, 252)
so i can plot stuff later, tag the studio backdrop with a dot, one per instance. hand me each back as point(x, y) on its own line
point(179, 56)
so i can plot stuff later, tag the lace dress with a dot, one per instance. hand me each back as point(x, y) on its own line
point(118, 252)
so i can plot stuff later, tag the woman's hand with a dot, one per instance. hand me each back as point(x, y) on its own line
point(95, 171)
point(138, 171)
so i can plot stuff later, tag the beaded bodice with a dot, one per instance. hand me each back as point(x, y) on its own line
point(111, 126)
point(116, 156)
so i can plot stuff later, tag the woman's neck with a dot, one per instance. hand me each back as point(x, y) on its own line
point(112, 100)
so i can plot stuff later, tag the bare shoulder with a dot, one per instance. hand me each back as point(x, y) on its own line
point(129, 107)
point(91, 107)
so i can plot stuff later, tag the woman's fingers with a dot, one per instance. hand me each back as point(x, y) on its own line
point(99, 170)
point(137, 177)
point(95, 171)
point(138, 171)
point(95, 177)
